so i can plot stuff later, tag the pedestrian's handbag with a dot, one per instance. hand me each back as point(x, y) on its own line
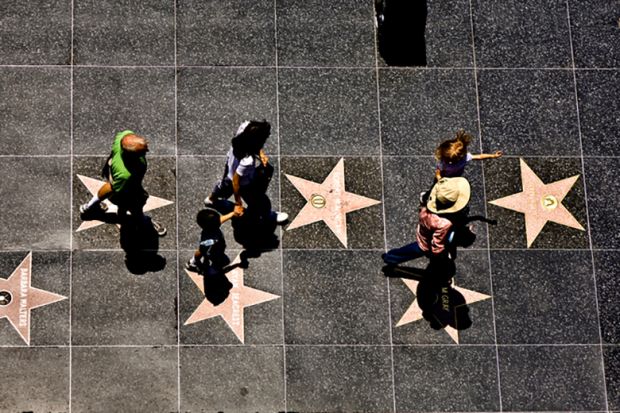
point(262, 177)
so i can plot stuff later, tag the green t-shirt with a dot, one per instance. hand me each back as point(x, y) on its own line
point(122, 179)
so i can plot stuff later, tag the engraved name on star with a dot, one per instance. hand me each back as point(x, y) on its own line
point(232, 309)
point(18, 298)
point(540, 202)
point(414, 313)
point(93, 186)
point(328, 202)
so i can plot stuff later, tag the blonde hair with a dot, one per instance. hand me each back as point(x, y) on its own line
point(453, 150)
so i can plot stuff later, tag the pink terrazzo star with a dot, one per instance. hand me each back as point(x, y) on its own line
point(414, 313)
point(540, 202)
point(328, 202)
point(18, 298)
point(232, 309)
point(93, 186)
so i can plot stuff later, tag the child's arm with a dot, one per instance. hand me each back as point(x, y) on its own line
point(481, 156)
point(197, 255)
point(226, 217)
point(437, 174)
point(263, 157)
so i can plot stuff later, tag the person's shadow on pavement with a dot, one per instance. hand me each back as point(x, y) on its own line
point(255, 235)
point(140, 242)
point(216, 285)
point(440, 303)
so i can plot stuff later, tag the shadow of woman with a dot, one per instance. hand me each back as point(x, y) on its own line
point(255, 234)
point(443, 306)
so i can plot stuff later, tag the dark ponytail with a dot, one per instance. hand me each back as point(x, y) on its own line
point(251, 139)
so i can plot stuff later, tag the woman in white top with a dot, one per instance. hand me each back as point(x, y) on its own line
point(242, 159)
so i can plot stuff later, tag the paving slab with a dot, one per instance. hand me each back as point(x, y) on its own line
point(123, 33)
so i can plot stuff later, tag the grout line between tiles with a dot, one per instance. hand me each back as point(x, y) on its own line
point(585, 191)
point(484, 194)
point(277, 73)
point(386, 68)
point(176, 179)
point(71, 61)
point(385, 243)
point(415, 156)
point(334, 345)
point(322, 249)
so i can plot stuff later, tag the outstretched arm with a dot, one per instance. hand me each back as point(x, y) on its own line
point(481, 156)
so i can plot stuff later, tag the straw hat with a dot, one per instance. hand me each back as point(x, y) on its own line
point(449, 195)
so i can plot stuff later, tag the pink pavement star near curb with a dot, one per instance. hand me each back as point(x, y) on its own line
point(24, 298)
point(328, 202)
point(93, 186)
point(231, 310)
point(540, 202)
point(414, 313)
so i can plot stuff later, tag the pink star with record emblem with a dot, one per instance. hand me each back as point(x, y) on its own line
point(328, 202)
point(414, 313)
point(93, 186)
point(231, 310)
point(18, 298)
point(540, 202)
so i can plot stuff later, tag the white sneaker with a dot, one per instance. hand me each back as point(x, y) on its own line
point(208, 201)
point(192, 266)
point(281, 217)
point(98, 207)
point(159, 228)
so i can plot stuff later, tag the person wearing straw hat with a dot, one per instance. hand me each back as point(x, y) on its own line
point(446, 204)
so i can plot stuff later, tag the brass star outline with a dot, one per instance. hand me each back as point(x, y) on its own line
point(93, 186)
point(24, 298)
point(232, 309)
point(540, 202)
point(328, 202)
point(414, 313)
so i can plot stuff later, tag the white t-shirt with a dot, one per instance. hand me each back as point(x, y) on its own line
point(244, 167)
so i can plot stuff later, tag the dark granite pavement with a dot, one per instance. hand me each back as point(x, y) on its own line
point(538, 79)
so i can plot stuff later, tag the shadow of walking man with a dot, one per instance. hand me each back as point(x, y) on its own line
point(140, 242)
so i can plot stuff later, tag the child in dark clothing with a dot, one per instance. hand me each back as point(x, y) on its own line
point(210, 252)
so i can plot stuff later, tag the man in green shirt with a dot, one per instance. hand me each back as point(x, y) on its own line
point(124, 172)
